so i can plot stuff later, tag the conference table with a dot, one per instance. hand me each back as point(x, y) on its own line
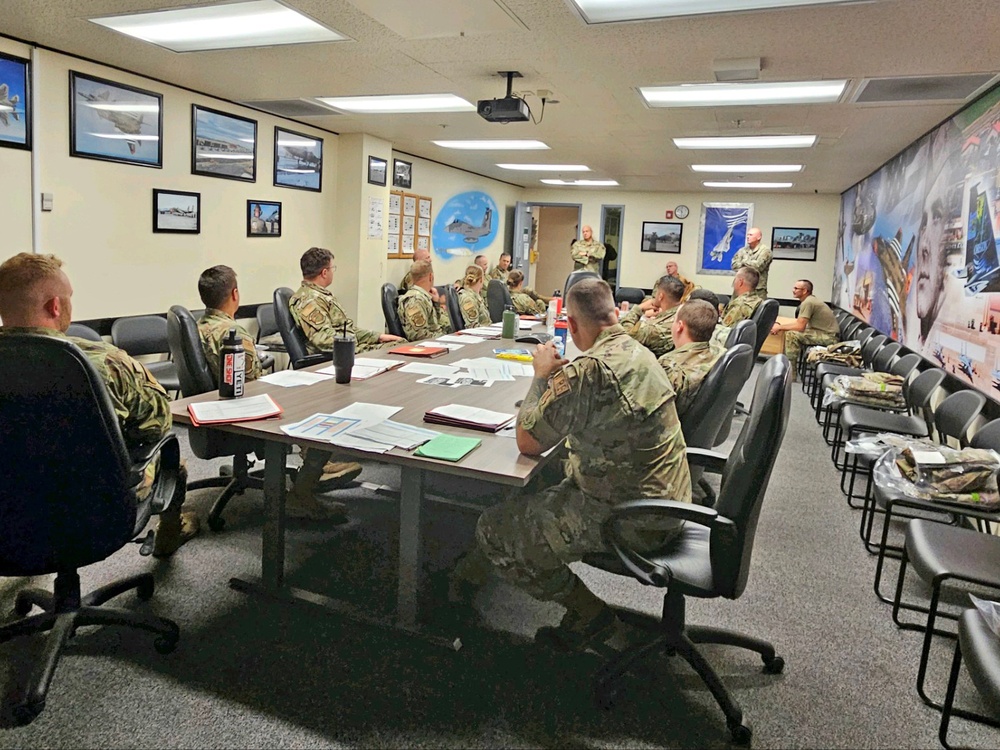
point(496, 461)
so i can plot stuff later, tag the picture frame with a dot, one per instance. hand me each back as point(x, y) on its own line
point(402, 174)
point(263, 218)
point(377, 170)
point(794, 243)
point(110, 121)
point(176, 212)
point(15, 102)
point(298, 160)
point(223, 145)
point(722, 232)
point(661, 237)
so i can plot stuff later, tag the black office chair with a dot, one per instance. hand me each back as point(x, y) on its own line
point(267, 334)
point(392, 322)
point(724, 298)
point(206, 443)
point(710, 558)
point(292, 335)
point(454, 309)
point(981, 648)
point(575, 276)
point(763, 317)
point(632, 295)
point(147, 334)
point(68, 500)
point(744, 332)
point(497, 299)
point(83, 332)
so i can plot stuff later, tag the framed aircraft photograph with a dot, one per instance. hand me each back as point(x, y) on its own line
point(176, 212)
point(223, 145)
point(661, 237)
point(114, 122)
point(794, 243)
point(15, 102)
point(402, 174)
point(263, 219)
point(298, 160)
point(376, 170)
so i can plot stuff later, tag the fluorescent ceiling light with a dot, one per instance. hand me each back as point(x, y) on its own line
point(511, 145)
point(582, 183)
point(610, 11)
point(259, 23)
point(746, 141)
point(399, 103)
point(748, 185)
point(744, 168)
point(546, 167)
point(734, 94)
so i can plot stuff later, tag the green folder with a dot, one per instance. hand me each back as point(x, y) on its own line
point(448, 447)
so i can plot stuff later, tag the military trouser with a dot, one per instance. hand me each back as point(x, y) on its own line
point(795, 340)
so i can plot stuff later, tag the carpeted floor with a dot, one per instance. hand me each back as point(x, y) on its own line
point(249, 673)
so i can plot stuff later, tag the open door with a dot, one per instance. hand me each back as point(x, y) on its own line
point(521, 239)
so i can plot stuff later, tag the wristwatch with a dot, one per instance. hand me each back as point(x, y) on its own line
point(681, 212)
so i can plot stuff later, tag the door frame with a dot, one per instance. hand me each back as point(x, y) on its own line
point(621, 228)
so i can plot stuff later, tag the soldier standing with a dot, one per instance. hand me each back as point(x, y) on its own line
point(421, 310)
point(756, 255)
point(696, 353)
point(587, 253)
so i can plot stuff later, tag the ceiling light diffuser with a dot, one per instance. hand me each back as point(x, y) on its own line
point(398, 103)
point(744, 168)
point(748, 185)
point(546, 167)
point(611, 11)
point(258, 23)
point(498, 145)
point(746, 141)
point(736, 94)
point(582, 183)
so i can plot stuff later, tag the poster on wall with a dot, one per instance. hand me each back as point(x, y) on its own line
point(724, 228)
point(114, 122)
point(916, 251)
point(15, 102)
point(298, 160)
point(465, 225)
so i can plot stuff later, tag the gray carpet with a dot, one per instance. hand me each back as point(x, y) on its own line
point(250, 673)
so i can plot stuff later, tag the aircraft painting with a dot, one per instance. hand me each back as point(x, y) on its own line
point(124, 121)
point(8, 105)
point(470, 233)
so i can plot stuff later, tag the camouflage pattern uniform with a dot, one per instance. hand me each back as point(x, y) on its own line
point(720, 335)
point(653, 333)
point(213, 328)
point(319, 315)
point(474, 311)
point(525, 305)
point(686, 366)
point(587, 255)
point(421, 317)
point(405, 284)
point(740, 308)
point(759, 259)
point(615, 408)
point(821, 328)
point(497, 273)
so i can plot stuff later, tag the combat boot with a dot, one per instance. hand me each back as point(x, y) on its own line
point(301, 500)
point(588, 620)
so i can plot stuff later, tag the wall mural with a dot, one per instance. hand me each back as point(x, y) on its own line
point(916, 249)
point(465, 225)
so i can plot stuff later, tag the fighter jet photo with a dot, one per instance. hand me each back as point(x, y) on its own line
point(471, 233)
point(125, 122)
point(8, 104)
point(302, 156)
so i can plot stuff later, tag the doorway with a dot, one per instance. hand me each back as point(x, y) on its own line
point(556, 227)
point(611, 231)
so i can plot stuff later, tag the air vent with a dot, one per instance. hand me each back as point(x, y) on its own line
point(292, 107)
point(955, 88)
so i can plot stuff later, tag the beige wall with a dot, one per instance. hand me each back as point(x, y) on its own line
point(556, 227)
point(15, 183)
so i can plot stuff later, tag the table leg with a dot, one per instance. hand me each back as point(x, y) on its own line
point(272, 564)
point(411, 546)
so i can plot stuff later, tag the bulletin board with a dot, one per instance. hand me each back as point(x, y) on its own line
point(409, 224)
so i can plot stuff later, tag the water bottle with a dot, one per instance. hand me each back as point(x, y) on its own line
point(550, 317)
point(557, 296)
point(509, 329)
point(233, 366)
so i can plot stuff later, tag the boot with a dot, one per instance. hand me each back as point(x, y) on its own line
point(301, 501)
point(339, 474)
point(587, 620)
point(173, 530)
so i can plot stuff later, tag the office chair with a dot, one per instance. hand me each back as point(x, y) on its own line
point(206, 443)
point(267, 334)
point(454, 309)
point(724, 299)
point(83, 332)
point(744, 332)
point(710, 558)
point(632, 295)
point(68, 500)
point(389, 299)
point(292, 335)
point(497, 299)
point(763, 317)
point(575, 276)
point(147, 334)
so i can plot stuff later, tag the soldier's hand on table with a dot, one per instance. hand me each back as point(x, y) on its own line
point(547, 360)
point(385, 338)
point(776, 328)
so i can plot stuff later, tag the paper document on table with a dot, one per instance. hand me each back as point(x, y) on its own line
point(425, 368)
point(498, 371)
point(234, 410)
point(522, 324)
point(320, 427)
point(347, 440)
point(291, 378)
point(463, 339)
point(485, 333)
point(521, 370)
point(396, 434)
point(471, 415)
point(451, 347)
point(365, 367)
point(367, 414)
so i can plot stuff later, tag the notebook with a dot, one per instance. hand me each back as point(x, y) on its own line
point(448, 447)
point(420, 351)
point(458, 415)
point(233, 410)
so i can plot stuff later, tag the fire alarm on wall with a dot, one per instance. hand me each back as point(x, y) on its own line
point(668, 214)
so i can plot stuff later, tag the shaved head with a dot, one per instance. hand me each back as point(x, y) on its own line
point(35, 291)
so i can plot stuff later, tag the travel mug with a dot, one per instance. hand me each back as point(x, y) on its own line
point(343, 359)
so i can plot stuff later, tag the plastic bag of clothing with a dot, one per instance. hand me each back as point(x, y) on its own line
point(869, 389)
point(966, 477)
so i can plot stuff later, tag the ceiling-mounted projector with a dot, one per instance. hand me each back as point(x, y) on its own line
point(508, 109)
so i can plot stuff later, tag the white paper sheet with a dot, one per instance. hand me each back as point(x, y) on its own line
point(498, 371)
point(486, 333)
point(292, 378)
point(320, 427)
point(347, 440)
point(397, 434)
point(234, 409)
point(472, 414)
point(367, 414)
point(425, 368)
point(463, 339)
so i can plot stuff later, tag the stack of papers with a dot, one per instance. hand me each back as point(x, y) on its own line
point(365, 367)
point(290, 378)
point(482, 333)
point(233, 410)
point(462, 339)
point(426, 368)
point(474, 418)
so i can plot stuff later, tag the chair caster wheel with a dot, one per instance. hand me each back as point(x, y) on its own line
point(25, 713)
point(216, 523)
point(165, 645)
point(606, 696)
point(774, 665)
point(22, 607)
point(741, 733)
point(144, 591)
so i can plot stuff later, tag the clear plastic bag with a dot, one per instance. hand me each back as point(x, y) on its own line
point(870, 389)
point(990, 612)
point(965, 478)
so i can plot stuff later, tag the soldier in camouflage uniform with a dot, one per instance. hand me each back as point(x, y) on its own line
point(655, 332)
point(721, 333)
point(420, 312)
point(696, 352)
point(418, 254)
point(744, 300)
point(500, 271)
point(673, 270)
point(221, 296)
point(474, 310)
point(757, 256)
point(317, 312)
point(814, 325)
point(36, 297)
point(614, 407)
point(587, 253)
point(526, 302)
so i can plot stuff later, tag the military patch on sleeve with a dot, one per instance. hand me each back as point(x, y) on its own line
point(313, 314)
point(560, 384)
point(416, 316)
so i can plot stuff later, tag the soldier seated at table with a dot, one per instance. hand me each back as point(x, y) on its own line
point(744, 300)
point(721, 333)
point(421, 253)
point(694, 354)
point(614, 408)
point(815, 324)
point(526, 302)
point(422, 310)
point(650, 321)
point(470, 299)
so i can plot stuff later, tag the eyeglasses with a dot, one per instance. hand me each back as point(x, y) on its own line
point(332, 268)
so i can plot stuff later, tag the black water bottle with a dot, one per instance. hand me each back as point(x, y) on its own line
point(232, 366)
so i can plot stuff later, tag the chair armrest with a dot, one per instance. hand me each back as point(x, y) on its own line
point(711, 461)
point(167, 474)
point(660, 508)
point(313, 359)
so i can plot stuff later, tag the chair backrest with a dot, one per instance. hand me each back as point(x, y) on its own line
point(859, 331)
point(716, 397)
point(497, 299)
point(987, 436)
point(454, 309)
point(747, 473)
point(83, 332)
point(266, 322)
point(631, 294)
point(64, 499)
point(956, 414)
point(291, 335)
point(575, 276)
point(744, 332)
point(723, 298)
point(763, 317)
point(188, 353)
point(905, 365)
point(882, 360)
point(389, 297)
point(871, 347)
point(143, 334)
